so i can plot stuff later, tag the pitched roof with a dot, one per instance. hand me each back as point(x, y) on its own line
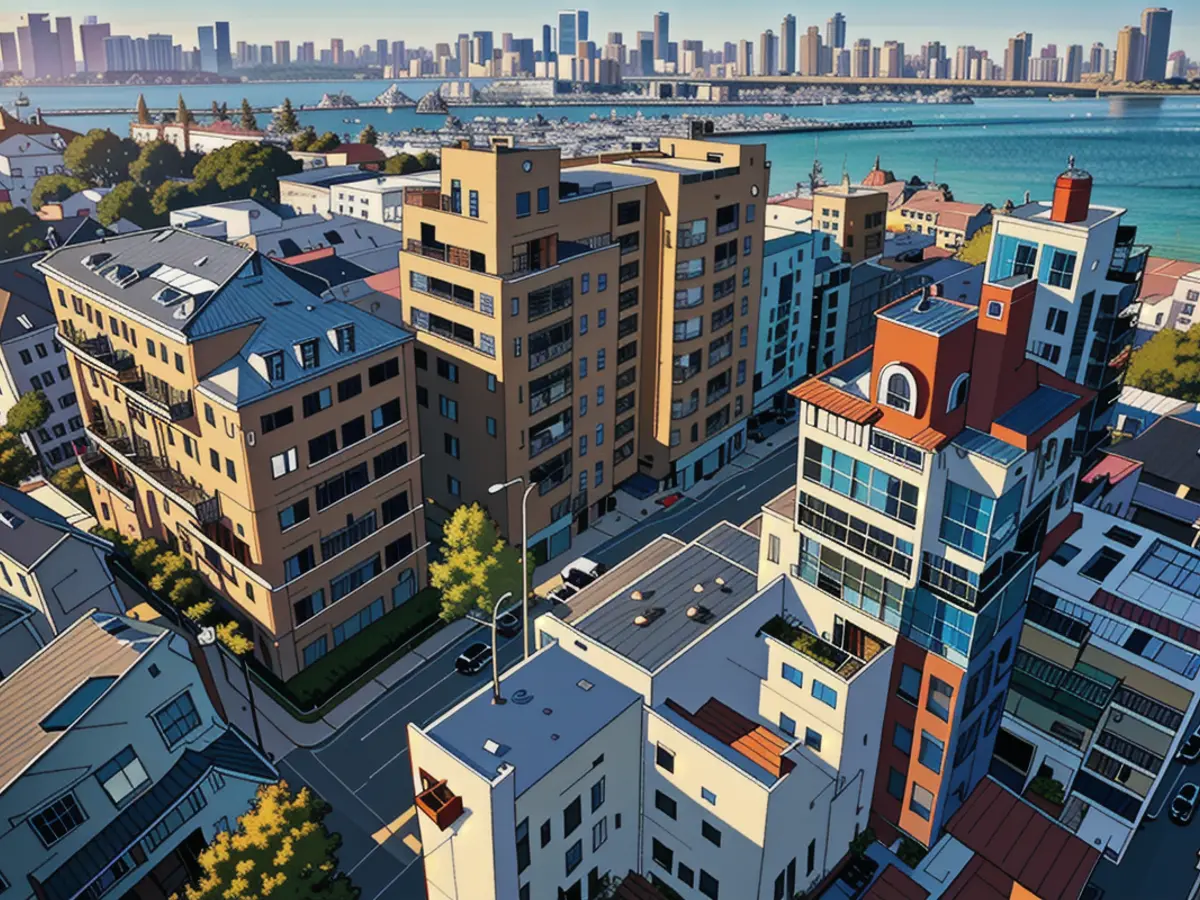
point(892, 884)
point(756, 742)
point(1168, 449)
point(34, 528)
point(10, 125)
point(23, 293)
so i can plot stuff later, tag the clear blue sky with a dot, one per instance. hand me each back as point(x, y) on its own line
point(986, 25)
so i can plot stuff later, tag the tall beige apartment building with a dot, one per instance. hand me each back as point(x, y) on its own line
point(262, 432)
point(580, 323)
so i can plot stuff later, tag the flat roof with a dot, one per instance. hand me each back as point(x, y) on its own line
point(987, 446)
point(1168, 449)
point(556, 703)
point(381, 184)
point(932, 315)
point(1039, 211)
point(667, 592)
point(1037, 410)
point(733, 543)
point(641, 562)
point(323, 176)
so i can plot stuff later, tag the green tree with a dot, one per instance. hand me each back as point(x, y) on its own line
point(55, 188)
point(285, 120)
point(220, 112)
point(128, 200)
point(975, 250)
point(186, 592)
point(142, 557)
point(100, 157)
point(477, 565)
point(170, 196)
point(197, 612)
point(244, 170)
point(281, 848)
point(1169, 363)
point(326, 142)
point(20, 231)
point(428, 160)
point(29, 414)
point(16, 462)
point(158, 161)
point(248, 122)
point(401, 164)
point(72, 482)
point(183, 115)
point(143, 111)
point(304, 138)
point(369, 135)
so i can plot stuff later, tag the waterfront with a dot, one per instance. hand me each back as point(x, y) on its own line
point(1143, 152)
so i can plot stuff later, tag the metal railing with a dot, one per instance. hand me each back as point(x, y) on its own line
point(98, 350)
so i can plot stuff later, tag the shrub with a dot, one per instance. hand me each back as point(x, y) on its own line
point(1048, 788)
point(143, 556)
point(186, 590)
point(198, 612)
point(169, 568)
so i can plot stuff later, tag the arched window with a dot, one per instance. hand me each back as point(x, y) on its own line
point(958, 392)
point(897, 388)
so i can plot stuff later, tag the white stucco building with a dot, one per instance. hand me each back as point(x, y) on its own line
point(24, 158)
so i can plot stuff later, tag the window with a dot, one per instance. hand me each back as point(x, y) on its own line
point(824, 693)
point(932, 750)
point(321, 446)
point(921, 802)
point(543, 199)
point(940, 698)
point(598, 794)
point(995, 309)
point(310, 354)
point(1101, 564)
point(574, 856)
point(572, 816)
point(383, 416)
point(629, 212)
point(897, 388)
point(709, 886)
point(298, 563)
point(794, 675)
point(522, 834)
point(859, 481)
point(1123, 536)
point(491, 426)
point(599, 833)
point(122, 776)
point(958, 392)
point(787, 724)
point(544, 835)
point(664, 758)
point(448, 408)
point(902, 738)
point(316, 401)
point(711, 834)
point(974, 523)
point(708, 796)
point(383, 371)
point(666, 805)
point(307, 607)
point(895, 784)
point(1012, 256)
point(1056, 320)
point(230, 471)
point(177, 719)
point(348, 388)
point(661, 854)
point(773, 548)
point(277, 419)
point(686, 875)
point(354, 578)
point(522, 204)
point(315, 650)
point(451, 445)
point(54, 822)
point(1058, 268)
point(812, 739)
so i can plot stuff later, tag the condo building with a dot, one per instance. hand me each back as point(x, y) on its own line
point(1089, 269)
point(256, 428)
point(581, 323)
point(931, 465)
point(1106, 676)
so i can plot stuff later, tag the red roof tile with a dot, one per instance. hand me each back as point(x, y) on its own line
point(758, 744)
point(386, 282)
point(635, 887)
point(1115, 468)
point(979, 880)
point(892, 884)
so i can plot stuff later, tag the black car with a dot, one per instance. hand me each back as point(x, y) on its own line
point(1183, 807)
point(1189, 750)
point(474, 658)
point(508, 624)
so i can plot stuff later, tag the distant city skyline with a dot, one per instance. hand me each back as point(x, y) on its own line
point(950, 23)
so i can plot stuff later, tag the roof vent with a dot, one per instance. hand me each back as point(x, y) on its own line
point(923, 303)
point(720, 581)
point(201, 261)
point(584, 685)
point(546, 710)
point(641, 620)
point(93, 261)
point(636, 596)
point(698, 613)
point(168, 295)
point(310, 307)
point(697, 589)
point(10, 520)
point(646, 616)
point(554, 737)
point(159, 238)
point(24, 320)
point(491, 747)
point(281, 302)
point(122, 276)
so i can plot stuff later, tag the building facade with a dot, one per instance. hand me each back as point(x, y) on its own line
point(196, 362)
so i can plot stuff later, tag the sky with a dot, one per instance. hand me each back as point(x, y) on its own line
point(986, 25)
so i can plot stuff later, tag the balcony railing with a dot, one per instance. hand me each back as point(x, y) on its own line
point(1128, 263)
point(162, 400)
point(97, 350)
point(835, 659)
point(100, 467)
point(1152, 709)
point(554, 351)
point(447, 253)
point(427, 198)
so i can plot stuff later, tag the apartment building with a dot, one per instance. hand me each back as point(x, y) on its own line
point(32, 359)
point(524, 274)
point(311, 190)
point(685, 721)
point(930, 467)
point(1106, 677)
point(1170, 295)
point(1089, 272)
point(854, 216)
point(24, 158)
point(117, 769)
point(950, 222)
point(208, 375)
point(785, 315)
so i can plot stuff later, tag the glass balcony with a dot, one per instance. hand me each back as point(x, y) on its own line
point(1128, 262)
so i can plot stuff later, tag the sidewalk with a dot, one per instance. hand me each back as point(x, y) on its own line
point(281, 732)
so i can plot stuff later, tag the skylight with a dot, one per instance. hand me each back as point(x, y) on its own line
point(77, 703)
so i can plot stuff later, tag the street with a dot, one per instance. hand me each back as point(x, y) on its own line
point(363, 771)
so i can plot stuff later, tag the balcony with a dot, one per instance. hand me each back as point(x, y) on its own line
point(156, 396)
point(205, 508)
point(98, 351)
point(449, 254)
point(840, 662)
point(427, 198)
point(440, 804)
point(108, 435)
point(102, 470)
point(1128, 263)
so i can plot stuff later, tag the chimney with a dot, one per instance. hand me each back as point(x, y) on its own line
point(1000, 374)
point(1072, 194)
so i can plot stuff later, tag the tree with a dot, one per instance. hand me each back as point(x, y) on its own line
point(428, 160)
point(1169, 363)
point(326, 142)
point(183, 115)
point(169, 567)
point(72, 482)
point(220, 112)
point(54, 189)
point(20, 231)
point(281, 848)
point(285, 120)
point(401, 164)
point(170, 196)
point(29, 414)
point(143, 111)
point(369, 135)
point(158, 161)
point(248, 122)
point(16, 462)
point(244, 170)
point(477, 566)
point(100, 157)
point(186, 592)
point(304, 138)
point(142, 557)
point(975, 250)
point(128, 200)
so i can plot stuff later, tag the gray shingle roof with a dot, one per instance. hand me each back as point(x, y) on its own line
point(731, 542)
point(23, 293)
point(37, 527)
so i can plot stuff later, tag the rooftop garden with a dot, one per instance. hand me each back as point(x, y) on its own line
point(814, 647)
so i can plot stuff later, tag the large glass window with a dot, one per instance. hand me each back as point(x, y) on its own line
point(1058, 268)
point(55, 821)
point(859, 481)
point(177, 719)
point(938, 626)
point(122, 776)
point(1012, 256)
point(969, 519)
point(932, 751)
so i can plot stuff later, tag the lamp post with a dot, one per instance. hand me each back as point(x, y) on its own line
point(208, 638)
point(496, 489)
point(496, 698)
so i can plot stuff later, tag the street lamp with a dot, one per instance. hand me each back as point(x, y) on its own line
point(208, 638)
point(496, 489)
point(497, 700)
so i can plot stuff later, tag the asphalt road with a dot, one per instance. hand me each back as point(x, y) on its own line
point(363, 771)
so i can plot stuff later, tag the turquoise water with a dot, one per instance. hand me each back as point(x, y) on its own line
point(1143, 153)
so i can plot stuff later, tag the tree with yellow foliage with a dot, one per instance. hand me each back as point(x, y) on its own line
point(975, 250)
point(477, 565)
point(281, 849)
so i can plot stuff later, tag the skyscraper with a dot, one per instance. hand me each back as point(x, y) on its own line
point(1156, 27)
point(645, 45)
point(399, 57)
point(1015, 67)
point(810, 51)
point(860, 59)
point(91, 44)
point(787, 44)
point(486, 43)
point(206, 38)
point(40, 57)
point(745, 58)
point(1096, 58)
point(662, 34)
point(835, 30)
point(64, 30)
point(1131, 54)
point(8, 52)
point(224, 58)
point(572, 28)
point(337, 51)
point(767, 60)
point(1074, 68)
point(547, 43)
point(381, 51)
point(283, 53)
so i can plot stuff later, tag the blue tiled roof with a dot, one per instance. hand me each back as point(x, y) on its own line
point(938, 316)
point(987, 446)
point(1036, 410)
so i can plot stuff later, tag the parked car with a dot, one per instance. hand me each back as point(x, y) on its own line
point(1184, 804)
point(1189, 750)
point(508, 624)
point(474, 658)
point(582, 572)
